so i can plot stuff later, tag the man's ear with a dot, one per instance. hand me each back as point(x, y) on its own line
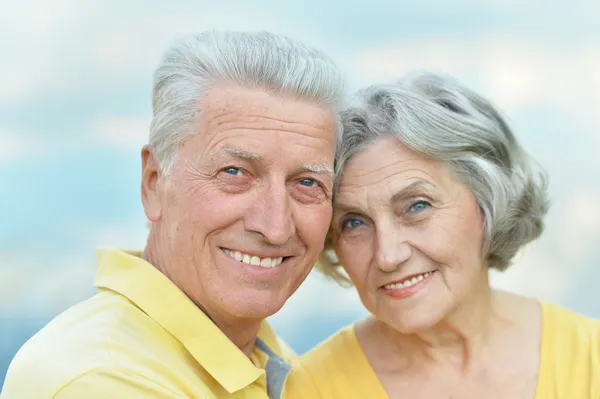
point(150, 188)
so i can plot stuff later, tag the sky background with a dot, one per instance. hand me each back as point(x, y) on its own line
point(75, 83)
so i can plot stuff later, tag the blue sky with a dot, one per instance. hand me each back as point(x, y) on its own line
point(75, 81)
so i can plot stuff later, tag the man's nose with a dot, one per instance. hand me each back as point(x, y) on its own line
point(270, 214)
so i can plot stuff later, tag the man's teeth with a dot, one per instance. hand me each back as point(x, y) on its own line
point(409, 282)
point(253, 260)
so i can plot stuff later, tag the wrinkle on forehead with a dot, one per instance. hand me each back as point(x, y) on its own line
point(233, 108)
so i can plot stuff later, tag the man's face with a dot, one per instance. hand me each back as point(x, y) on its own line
point(243, 214)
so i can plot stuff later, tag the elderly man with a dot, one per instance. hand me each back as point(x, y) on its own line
point(236, 184)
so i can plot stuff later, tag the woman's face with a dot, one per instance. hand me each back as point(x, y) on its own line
point(409, 235)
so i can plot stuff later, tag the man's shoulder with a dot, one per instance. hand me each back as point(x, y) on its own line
point(90, 335)
point(85, 328)
point(108, 381)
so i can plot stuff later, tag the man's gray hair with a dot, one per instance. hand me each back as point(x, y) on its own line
point(251, 60)
point(439, 118)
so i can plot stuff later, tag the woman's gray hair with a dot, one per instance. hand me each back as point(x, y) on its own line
point(252, 60)
point(439, 118)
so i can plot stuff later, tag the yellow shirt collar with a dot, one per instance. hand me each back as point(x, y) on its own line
point(126, 273)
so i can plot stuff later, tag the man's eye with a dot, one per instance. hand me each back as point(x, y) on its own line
point(309, 183)
point(233, 171)
point(419, 206)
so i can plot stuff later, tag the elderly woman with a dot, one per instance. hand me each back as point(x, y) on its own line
point(434, 190)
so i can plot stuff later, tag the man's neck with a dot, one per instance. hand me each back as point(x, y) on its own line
point(241, 331)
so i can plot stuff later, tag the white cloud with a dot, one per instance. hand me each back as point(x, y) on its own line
point(42, 284)
point(33, 33)
point(578, 233)
point(514, 72)
point(551, 268)
point(537, 274)
point(128, 132)
point(12, 145)
point(71, 46)
point(579, 8)
point(134, 45)
point(124, 237)
point(51, 283)
point(15, 145)
point(12, 280)
point(43, 18)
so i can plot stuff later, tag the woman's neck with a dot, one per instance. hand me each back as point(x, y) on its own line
point(465, 337)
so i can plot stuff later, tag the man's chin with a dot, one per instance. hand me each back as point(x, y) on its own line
point(255, 306)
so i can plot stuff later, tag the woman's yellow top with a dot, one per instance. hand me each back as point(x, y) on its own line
point(569, 364)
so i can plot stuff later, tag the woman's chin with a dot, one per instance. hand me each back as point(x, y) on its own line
point(413, 323)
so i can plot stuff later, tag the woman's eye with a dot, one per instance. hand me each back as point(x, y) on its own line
point(233, 171)
point(419, 206)
point(309, 183)
point(351, 224)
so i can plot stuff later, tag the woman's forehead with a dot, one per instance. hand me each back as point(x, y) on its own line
point(388, 159)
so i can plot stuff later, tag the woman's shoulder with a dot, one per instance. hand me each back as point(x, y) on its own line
point(570, 334)
point(336, 368)
point(314, 372)
point(334, 352)
point(557, 322)
point(570, 358)
point(564, 323)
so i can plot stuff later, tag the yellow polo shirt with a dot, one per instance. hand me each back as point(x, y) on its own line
point(141, 337)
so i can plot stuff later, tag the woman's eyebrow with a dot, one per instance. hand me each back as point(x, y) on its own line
point(414, 188)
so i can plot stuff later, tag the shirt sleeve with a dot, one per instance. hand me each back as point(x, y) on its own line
point(115, 383)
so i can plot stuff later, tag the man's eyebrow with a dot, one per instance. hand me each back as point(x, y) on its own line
point(320, 169)
point(239, 153)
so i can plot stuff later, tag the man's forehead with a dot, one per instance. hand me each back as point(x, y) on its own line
point(226, 102)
